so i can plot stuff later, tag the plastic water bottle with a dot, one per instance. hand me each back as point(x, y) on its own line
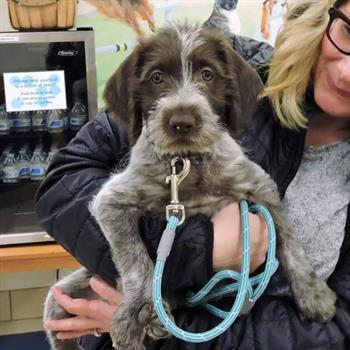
point(22, 122)
point(5, 122)
point(39, 120)
point(37, 165)
point(23, 160)
point(78, 116)
point(9, 147)
point(57, 120)
point(10, 169)
point(52, 152)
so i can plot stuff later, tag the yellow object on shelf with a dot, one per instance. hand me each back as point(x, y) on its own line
point(42, 14)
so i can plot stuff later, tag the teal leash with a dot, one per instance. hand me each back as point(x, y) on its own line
point(243, 285)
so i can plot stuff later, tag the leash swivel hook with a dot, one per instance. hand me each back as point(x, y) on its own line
point(175, 207)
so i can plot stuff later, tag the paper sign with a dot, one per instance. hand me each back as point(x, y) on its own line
point(8, 37)
point(32, 91)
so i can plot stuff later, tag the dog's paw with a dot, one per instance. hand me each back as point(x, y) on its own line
point(316, 300)
point(148, 318)
point(126, 333)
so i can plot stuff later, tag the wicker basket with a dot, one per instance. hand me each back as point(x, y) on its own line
point(42, 14)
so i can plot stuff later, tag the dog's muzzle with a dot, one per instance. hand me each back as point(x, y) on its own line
point(183, 125)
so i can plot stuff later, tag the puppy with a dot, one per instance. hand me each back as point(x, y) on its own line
point(183, 92)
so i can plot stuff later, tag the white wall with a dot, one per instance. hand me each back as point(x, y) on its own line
point(5, 25)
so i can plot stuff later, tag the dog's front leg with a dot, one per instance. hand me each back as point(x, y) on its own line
point(115, 209)
point(314, 298)
point(76, 285)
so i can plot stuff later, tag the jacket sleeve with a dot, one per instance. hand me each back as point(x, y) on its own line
point(76, 174)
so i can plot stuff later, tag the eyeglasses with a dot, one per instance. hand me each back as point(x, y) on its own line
point(338, 30)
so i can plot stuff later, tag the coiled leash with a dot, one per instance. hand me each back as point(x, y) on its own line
point(246, 295)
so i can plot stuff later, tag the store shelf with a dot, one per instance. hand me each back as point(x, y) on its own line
point(35, 257)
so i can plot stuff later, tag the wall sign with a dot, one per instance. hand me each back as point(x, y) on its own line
point(31, 91)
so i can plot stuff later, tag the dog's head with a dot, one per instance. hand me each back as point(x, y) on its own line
point(180, 87)
point(279, 8)
point(275, 8)
point(227, 4)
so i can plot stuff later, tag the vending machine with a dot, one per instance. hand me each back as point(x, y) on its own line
point(48, 91)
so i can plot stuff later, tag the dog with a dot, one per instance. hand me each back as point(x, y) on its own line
point(224, 17)
point(272, 19)
point(127, 11)
point(183, 92)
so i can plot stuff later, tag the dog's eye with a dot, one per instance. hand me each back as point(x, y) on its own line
point(207, 74)
point(157, 78)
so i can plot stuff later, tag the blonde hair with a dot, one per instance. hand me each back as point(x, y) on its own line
point(296, 52)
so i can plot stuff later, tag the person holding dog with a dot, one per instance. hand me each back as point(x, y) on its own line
point(300, 134)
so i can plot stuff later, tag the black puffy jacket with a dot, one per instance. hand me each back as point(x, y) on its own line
point(78, 171)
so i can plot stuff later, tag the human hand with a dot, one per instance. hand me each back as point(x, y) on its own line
point(89, 314)
point(227, 250)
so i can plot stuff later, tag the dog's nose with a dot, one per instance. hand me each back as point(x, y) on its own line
point(182, 124)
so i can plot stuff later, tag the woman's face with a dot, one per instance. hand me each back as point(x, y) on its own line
point(332, 77)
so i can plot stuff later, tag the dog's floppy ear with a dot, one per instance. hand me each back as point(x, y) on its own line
point(245, 87)
point(119, 97)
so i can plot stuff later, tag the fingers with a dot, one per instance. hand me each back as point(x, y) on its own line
point(89, 314)
point(258, 230)
point(105, 291)
point(72, 335)
point(77, 334)
point(95, 309)
point(259, 241)
point(77, 326)
point(76, 306)
point(227, 247)
point(77, 323)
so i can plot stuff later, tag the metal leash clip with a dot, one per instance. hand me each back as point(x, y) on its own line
point(175, 179)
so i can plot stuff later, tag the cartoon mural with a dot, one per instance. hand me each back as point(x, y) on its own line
point(272, 19)
point(127, 11)
point(119, 23)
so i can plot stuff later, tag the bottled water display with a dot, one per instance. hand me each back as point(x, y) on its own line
point(24, 163)
point(39, 114)
point(39, 120)
point(5, 122)
point(78, 116)
point(29, 140)
point(53, 121)
point(57, 120)
point(22, 122)
point(10, 172)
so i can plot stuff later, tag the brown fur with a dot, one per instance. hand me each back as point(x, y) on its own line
point(233, 94)
point(127, 11)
